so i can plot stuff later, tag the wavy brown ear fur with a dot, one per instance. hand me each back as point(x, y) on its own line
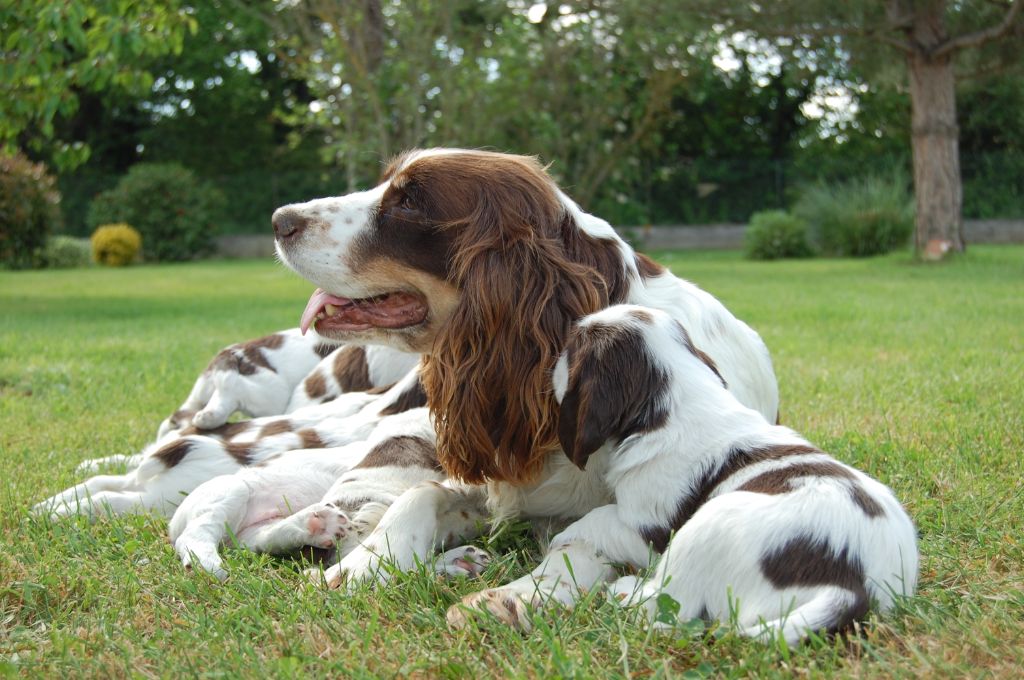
point(488, 377)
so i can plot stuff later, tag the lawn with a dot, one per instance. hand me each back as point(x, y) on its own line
point(913, 373)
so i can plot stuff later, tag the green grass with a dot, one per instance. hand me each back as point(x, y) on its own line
point(913, 373)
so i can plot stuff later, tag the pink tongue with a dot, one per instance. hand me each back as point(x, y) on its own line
point(317, 300)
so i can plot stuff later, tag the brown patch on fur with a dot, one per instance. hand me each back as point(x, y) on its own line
point(310, 439)
point(351, 370)
point(778, 481)
point(315, 385)
point(687, 342)
point(275, 427)
point(863, 500)
point(245, 358)
point(641, 315)
point(413, 397)
point(614, 390)
point(173, 453)
point(402, 451)
point(738, 459)
point(647, 267)
point(525, 272)
point(240, 452)
point(709, 362)
point(225, 431)
point(804, 562)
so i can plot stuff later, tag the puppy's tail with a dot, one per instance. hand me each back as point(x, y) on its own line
point(831, 610)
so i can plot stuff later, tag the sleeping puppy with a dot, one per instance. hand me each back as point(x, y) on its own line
point(281, 373)
point(753, 524)
point(324, 498)
point(256, 378)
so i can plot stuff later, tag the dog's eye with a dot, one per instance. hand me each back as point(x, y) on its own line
point(406, 203)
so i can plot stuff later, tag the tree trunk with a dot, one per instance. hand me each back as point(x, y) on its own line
point(938, 189)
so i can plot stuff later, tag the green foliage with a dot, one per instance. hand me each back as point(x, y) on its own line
point(29, 211)
point(115, 245)
point(775, 234)
point(866, 216)
point(66, 252)
point(175, 212)
point(54, 51)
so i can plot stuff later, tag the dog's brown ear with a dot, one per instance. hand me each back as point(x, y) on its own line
point(488, 376)
point(587, 418)
point(614, 391)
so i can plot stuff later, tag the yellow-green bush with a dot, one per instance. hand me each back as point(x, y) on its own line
point(115, 245)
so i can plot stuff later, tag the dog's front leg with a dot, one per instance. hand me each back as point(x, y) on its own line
point(580, 557)
point(428, 516)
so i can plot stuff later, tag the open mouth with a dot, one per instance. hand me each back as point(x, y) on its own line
point(326, 312)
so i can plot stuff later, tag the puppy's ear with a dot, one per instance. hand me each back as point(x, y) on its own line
point(614, 391)
point(586, 419)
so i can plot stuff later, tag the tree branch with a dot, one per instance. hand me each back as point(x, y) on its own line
point(978, 38)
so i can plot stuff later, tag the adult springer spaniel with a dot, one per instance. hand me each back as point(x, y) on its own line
point(479, 262)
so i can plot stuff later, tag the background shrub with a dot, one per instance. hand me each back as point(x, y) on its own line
point(175, 212)
point(774, 234)
point(65, 252)
point(116, 245)
point(866, 216)
point(29, 211)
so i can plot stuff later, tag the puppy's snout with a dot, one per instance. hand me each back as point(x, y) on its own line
point(288, 223)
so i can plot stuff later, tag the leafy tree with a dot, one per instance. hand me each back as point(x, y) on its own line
point(54, 52)
point(928, 34)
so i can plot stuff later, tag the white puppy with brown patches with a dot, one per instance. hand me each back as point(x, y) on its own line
point(256, 378)
point(755, 526)
point(324, 498)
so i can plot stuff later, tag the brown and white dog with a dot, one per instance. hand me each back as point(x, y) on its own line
point(746, 521)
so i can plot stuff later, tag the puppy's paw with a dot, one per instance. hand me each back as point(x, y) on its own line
point(327, 525)
point(505, 605)
point(466, 560)
point(207, 419)
point(361, 565)
point(206, 561)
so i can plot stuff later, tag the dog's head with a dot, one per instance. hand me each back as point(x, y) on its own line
point(620, 374)
point(477, 260)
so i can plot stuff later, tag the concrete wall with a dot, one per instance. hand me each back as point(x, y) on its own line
point(705, 237)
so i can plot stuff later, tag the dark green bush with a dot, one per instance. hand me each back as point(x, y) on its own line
point(775, 234)
point(175, 212)
point(866, 216)
point(65, 252)
point(29, 211)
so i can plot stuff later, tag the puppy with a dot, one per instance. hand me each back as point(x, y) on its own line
point(756, 526)
point(325, 498)
point(255, 377)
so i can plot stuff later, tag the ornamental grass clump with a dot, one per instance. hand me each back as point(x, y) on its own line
point(116, 245)
point(870, 215)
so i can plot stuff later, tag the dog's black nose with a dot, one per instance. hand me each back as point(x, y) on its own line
point(288, 223)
